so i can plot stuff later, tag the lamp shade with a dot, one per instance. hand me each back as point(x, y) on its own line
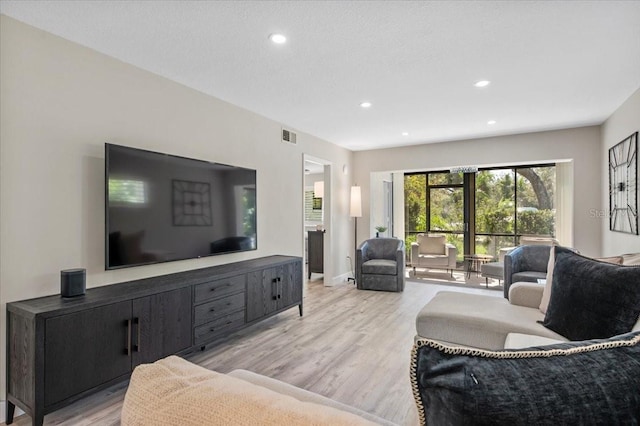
point(318, 189)
point(356, 202)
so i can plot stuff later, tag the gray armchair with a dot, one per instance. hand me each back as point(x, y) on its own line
point(525, 263)
point(380, 264)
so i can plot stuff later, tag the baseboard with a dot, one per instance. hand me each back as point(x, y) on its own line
point(340, 278)
point(3, 411)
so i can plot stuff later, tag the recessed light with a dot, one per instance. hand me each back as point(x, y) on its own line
point(491, 122)
point(278, 38)
point(365, 104)
point(405, 133)
point(482, 83)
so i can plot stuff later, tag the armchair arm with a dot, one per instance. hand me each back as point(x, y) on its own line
point(400, 264)
point(512, 263)
point(452, 252)
point(361, 257)
point(526, 294)
point(415, 253)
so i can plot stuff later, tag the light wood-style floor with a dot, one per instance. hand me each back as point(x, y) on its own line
point(351, 345)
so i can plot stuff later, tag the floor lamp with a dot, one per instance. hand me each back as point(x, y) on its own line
point(355, 211)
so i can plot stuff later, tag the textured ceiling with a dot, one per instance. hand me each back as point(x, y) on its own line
point(552, 64)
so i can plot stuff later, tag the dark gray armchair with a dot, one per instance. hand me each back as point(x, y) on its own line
point(380, 264)
point(525, 263)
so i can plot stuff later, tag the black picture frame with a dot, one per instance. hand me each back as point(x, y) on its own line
point(191, 203)
point(623, 186)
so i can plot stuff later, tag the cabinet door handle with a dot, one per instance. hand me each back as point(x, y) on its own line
point(136, 321)
point(127, 350)
point(274, 293)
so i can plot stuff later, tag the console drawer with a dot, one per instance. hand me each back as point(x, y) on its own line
point(219, 288)
point(218, 308)
point(218, 327)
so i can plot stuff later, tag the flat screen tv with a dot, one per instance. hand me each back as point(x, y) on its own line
point(161, 208)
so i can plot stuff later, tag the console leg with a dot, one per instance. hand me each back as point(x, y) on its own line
point(38, 418)
point(11, 409)
point(300, 309)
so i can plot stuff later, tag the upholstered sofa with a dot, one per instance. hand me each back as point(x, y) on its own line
point(433, 251)
point(380, 264)
point(490, 322)
point(174, 391)
point(481, 359)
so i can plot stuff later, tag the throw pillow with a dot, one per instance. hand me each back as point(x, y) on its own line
point(592, 299)
point(590, 382)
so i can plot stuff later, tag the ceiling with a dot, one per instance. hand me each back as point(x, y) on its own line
point(552, 64)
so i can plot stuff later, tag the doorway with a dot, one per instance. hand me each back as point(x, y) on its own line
point(317, 220)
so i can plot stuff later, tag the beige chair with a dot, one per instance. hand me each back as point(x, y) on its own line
point(433, 251)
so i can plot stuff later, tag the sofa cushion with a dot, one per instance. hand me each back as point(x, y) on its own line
point(380, 267)
point(433, 260)
point(493, 270)
point(568, 383)
point(592, 299)
point(631, 259)
point(529, 276)
point(616, 260)
point(477, 320)
point(432, 244)
point(519, 341)
point(303, 395)
point(173, 391)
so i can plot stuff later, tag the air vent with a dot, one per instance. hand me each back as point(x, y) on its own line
point(288, 136)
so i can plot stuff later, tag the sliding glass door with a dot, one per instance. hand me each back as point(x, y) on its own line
point(481, 212)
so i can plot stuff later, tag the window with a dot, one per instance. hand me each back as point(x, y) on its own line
point(499, 205)
point(127, 192)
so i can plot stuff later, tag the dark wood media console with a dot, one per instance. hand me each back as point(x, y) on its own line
point(60, 350)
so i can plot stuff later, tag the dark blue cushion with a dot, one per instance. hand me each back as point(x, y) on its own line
point(592, 299)
point(577, 383)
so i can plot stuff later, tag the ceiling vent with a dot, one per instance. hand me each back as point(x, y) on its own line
point(288, 136)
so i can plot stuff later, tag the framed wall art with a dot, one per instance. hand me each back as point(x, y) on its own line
point(623, 186)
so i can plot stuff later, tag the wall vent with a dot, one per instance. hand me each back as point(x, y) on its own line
point(288, 136)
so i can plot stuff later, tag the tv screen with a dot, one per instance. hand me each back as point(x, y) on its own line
point(161, 208)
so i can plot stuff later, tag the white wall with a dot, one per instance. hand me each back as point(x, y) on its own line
point(622, 123)
point(376, 202)
point(60, 102)
point(581, 145)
